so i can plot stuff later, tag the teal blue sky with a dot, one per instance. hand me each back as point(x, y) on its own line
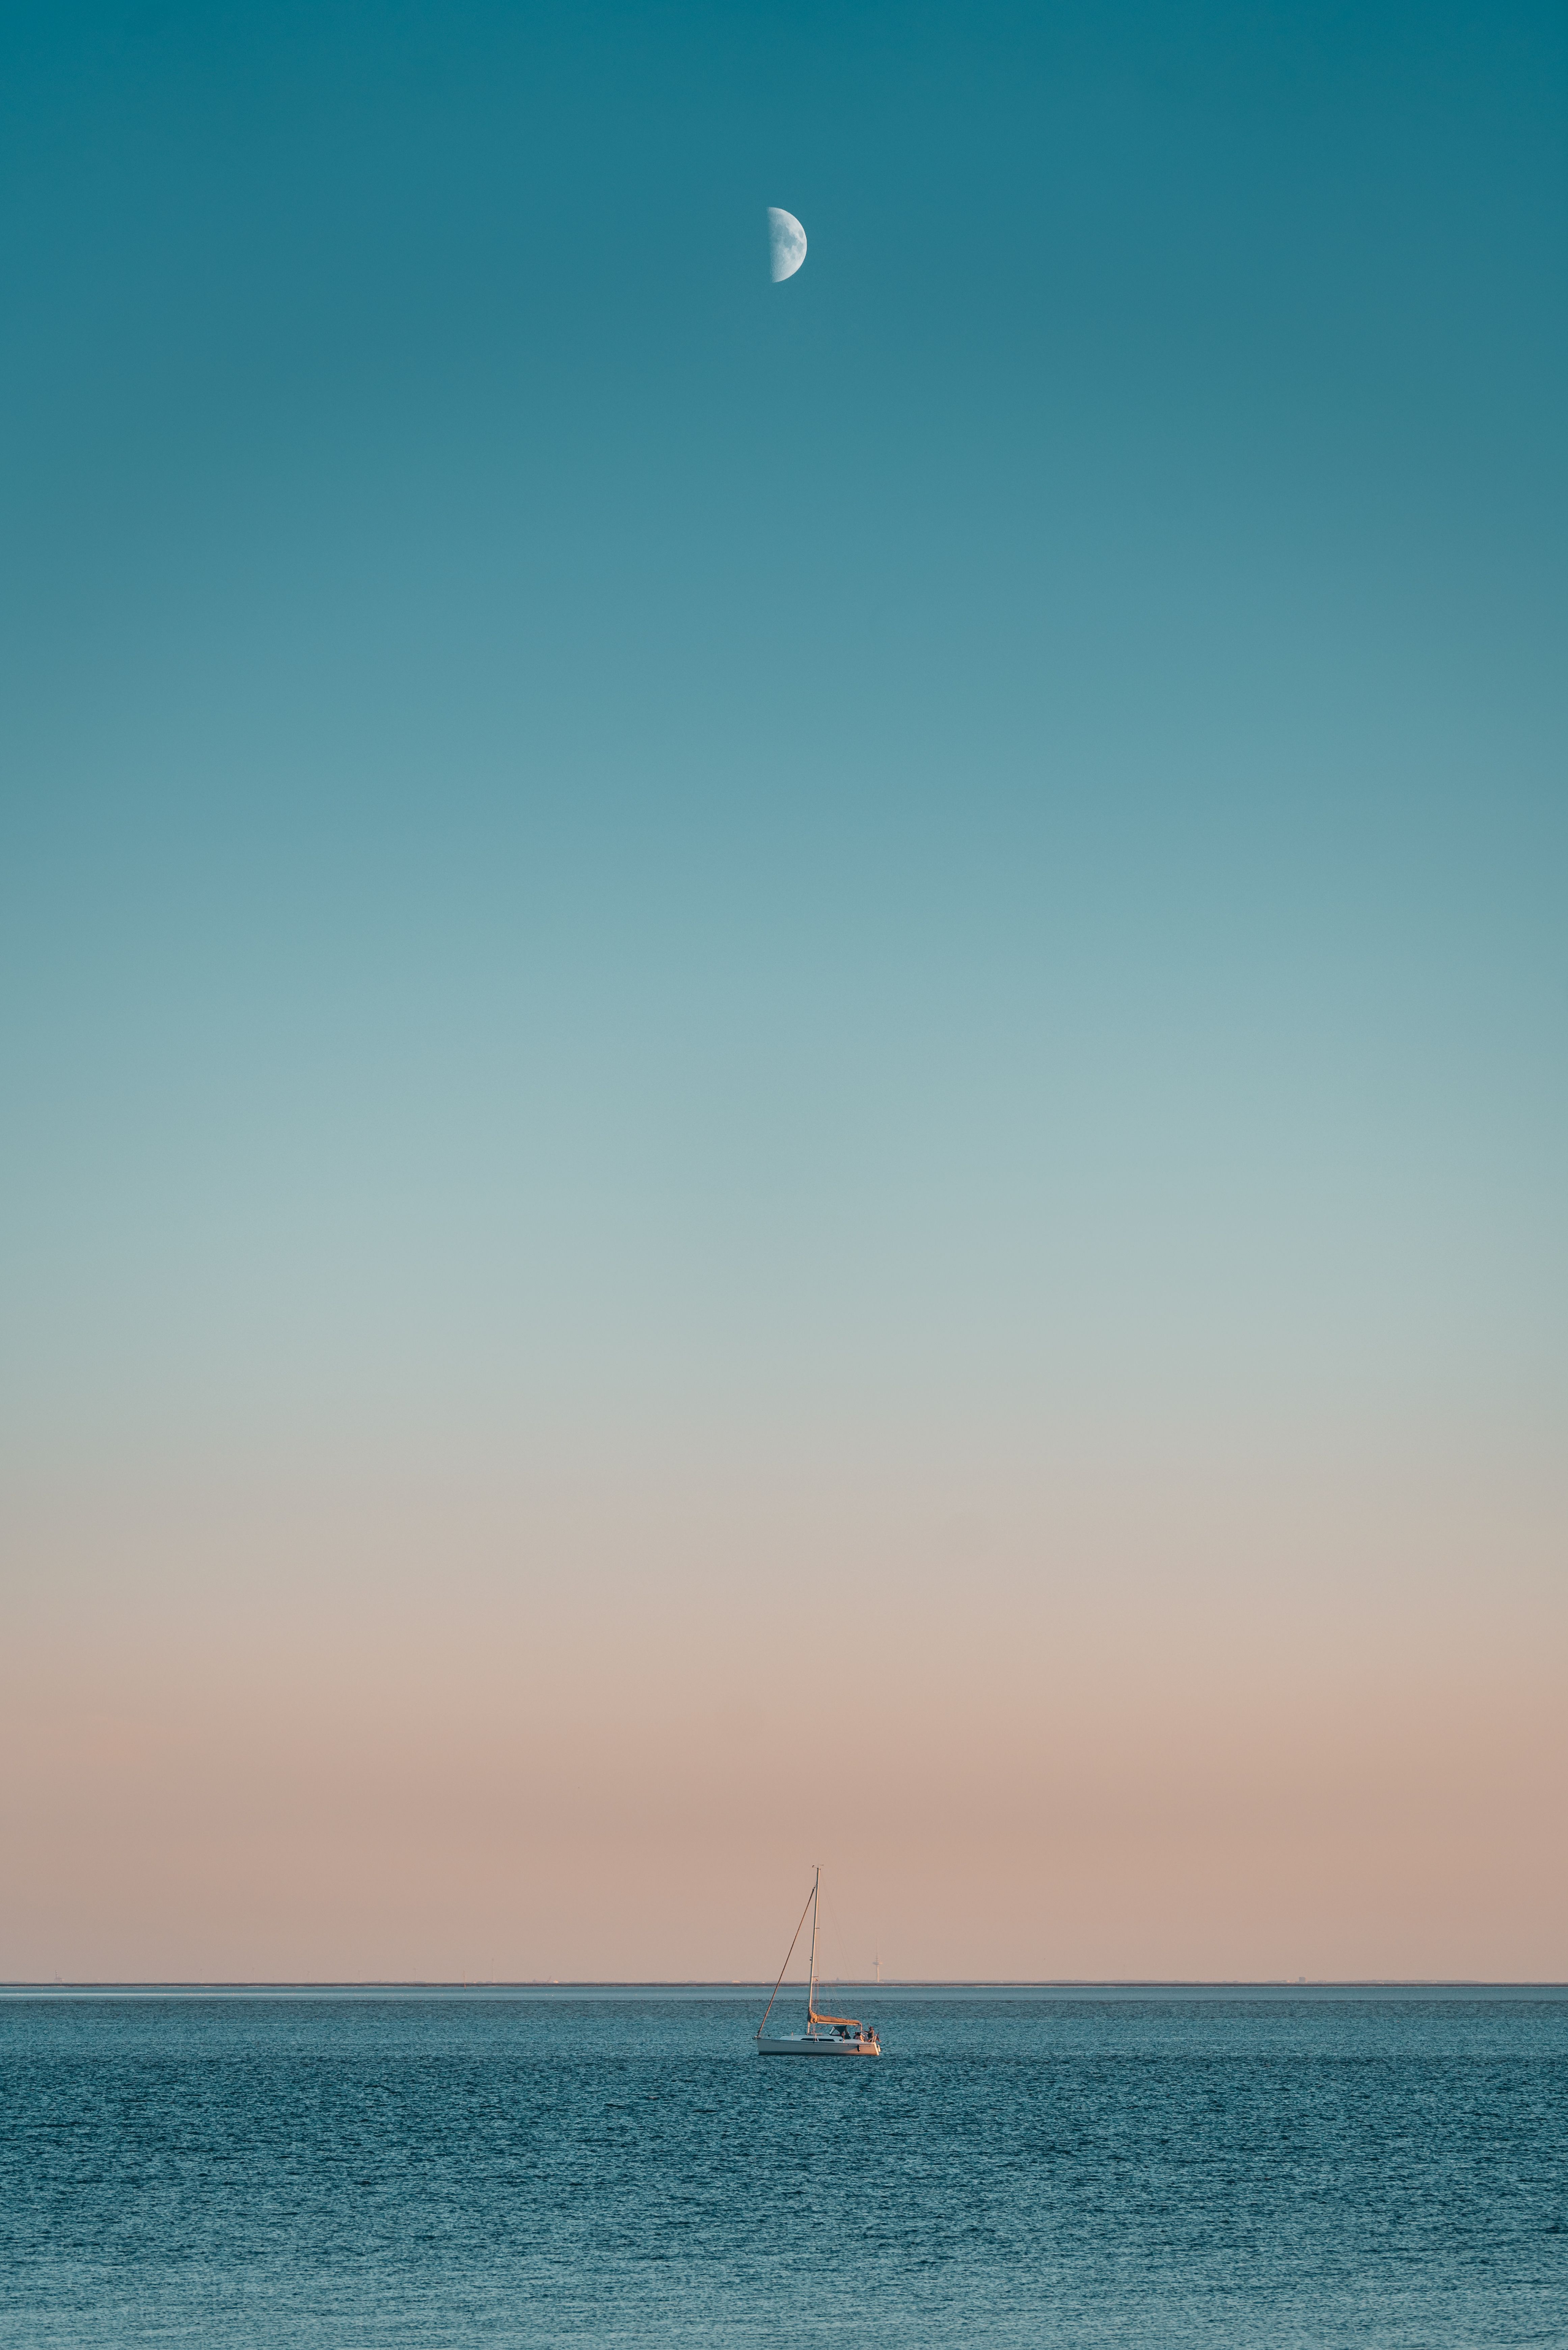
point(784, 1067)
point(585, 834)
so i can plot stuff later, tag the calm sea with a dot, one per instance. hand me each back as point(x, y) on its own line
point(1159, 2169)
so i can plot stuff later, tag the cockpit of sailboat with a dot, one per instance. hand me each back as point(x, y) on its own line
point(847, 2027)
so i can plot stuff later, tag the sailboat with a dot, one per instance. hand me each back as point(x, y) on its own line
point(845, 2036)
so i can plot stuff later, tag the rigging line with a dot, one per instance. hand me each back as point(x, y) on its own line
point(788, 1956)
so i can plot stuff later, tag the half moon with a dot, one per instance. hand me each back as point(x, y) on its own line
point(786, 244)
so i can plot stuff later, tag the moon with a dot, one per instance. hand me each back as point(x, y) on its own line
point(786, 244)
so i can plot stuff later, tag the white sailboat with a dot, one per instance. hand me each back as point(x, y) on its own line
point(845, 2036)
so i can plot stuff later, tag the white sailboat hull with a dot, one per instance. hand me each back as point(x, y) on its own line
point(802, 2043)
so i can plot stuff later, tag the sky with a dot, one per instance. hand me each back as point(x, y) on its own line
point(783, 1065)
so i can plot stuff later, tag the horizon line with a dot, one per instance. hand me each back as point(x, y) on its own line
point(747, 1983)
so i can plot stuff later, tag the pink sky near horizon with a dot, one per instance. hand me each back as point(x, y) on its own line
point(1253, 1717)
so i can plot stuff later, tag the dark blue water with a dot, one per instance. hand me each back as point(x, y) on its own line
point(1165, 2169)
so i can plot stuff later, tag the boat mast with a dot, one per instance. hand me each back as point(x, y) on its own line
point(788, 1956)
point(811, 1995)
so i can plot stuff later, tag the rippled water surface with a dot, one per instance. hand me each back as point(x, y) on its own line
point(1157, 2169)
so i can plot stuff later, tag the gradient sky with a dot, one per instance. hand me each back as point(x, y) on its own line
point(784, 1067)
